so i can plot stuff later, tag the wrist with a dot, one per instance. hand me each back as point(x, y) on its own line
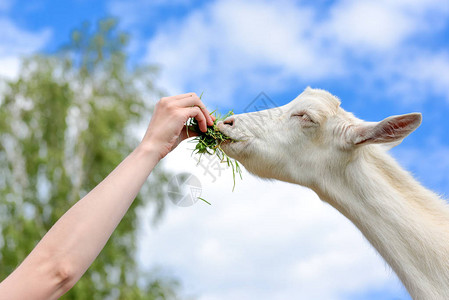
point(149, 149)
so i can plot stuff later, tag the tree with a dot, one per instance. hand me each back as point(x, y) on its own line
point(65, 123)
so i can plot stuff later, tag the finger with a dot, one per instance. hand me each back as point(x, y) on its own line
point(210, 119)
point(196, 101)
point(181, 96)
point(197, 113)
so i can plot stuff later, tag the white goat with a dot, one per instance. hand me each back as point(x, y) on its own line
point(313, 142)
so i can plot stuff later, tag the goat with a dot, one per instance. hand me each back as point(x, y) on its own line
point(313, 142)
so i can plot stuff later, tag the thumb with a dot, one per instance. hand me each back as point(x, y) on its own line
point(187, 133)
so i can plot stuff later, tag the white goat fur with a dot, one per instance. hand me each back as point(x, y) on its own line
point(313, 142)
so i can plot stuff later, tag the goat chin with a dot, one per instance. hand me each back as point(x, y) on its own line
point(239, 150)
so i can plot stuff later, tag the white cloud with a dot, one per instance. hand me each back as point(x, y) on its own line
point(17, 43)
point(426, 74)
point(10, 67)
point(383, 36)
point(266, 240)
point(230, 46)
point(368, 25)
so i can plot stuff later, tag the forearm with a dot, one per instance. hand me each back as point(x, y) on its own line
point(76, 239)
point(83, 231)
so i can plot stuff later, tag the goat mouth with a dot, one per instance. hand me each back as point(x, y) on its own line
point(232, 138)
point(224, 130)
point(237, 142)
point(235, 148)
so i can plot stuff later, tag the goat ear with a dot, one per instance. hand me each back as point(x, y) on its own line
point(390, 131)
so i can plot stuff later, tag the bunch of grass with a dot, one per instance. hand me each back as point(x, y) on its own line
point(209, 143)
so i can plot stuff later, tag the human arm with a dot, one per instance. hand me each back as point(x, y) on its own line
point(75, 240)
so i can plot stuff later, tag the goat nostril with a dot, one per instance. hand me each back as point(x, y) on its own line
point(229, 121)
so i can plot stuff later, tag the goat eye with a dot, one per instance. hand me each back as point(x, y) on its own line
point(298, 115)
point(304, 117)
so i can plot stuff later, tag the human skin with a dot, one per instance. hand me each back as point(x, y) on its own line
point(68, 249)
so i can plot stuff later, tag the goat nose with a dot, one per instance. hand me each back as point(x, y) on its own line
point(229, 121)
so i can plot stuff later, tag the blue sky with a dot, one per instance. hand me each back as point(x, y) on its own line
point(380, 57)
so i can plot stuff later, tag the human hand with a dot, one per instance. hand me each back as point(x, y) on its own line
point(167, 126)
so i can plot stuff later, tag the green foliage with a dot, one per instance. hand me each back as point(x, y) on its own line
point(65, 124)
